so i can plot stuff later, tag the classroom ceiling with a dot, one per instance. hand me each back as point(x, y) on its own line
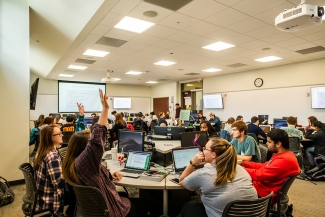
point(61, 31)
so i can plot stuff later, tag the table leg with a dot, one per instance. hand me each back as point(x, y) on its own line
point(165, 202)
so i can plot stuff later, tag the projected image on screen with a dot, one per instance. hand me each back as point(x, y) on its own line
point(318, 97)
point(212, 101)
point(86, 93)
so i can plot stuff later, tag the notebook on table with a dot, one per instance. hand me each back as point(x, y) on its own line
point(137, 163)
point(182, 157)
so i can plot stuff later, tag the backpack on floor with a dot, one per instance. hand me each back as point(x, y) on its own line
point(6, 194)
point(317, 173)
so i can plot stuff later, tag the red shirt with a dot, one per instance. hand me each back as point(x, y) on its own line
point(270, 176)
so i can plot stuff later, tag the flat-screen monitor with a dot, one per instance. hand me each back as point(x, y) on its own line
point(213, 101)
point(263, 119)
point(181, 157)
point(82, 92)
point(193, 112)
point(121, 103)
point(132, 114)
point(195, 117)
point(184, 115)
point(189, 139)
point(278, 123)
point(174, 132)
point(88, 121)
point(130, 140)
point(317, 97)
point(33, 94)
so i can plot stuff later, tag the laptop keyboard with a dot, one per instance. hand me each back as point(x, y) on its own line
point(131, 171)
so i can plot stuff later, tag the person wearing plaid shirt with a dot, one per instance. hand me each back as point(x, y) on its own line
point(48, 173)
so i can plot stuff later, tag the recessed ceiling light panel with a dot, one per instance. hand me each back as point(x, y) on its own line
point(96, 53)
point(151, 82)
point(268, 59)
point(134, 73)
point(77, 67)
point(133, 25)
point(66, 75)
point(211, 70)
point(164, 63)
point(218, 46)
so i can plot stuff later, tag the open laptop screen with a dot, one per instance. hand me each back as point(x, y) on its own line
point(182, 157)
point(138, 160)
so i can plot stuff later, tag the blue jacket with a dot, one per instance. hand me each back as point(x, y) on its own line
point(32, 136)
point(80, 124)
point(217, 123)
point(252, 128)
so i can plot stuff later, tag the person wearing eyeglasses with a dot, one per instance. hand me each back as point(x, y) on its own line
point(47, 166)
point(220, 181)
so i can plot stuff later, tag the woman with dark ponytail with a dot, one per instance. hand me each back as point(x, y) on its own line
point(220, 181)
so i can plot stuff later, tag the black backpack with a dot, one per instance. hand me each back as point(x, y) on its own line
point(317, 173)
point(6, 194)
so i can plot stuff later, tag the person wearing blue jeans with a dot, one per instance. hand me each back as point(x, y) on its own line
point(316, 133)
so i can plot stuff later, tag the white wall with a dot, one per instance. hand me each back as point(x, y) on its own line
point(14, 87)
point(166, 90)
point(128, 90)
point(283, 93)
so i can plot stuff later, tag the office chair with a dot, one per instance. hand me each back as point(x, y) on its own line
point(263, 151)
point(90, 201)
point(249, 208)
point(66, 138)
point(29, 199)
point(62, 152)
point(282, 200)
point(252, 135)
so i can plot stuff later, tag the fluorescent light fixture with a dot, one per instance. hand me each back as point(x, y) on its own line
point(133, 25)
point(218, 46)
point(77, 67)
point(164, 63)
point(134, 73)
point(66, 75)
point(190, 85)
point(151, 82)
point(96, 53)
point(268, 59)
point(117, 79)
point(211, 70)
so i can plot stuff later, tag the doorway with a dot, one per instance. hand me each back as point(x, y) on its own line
point(160, 105)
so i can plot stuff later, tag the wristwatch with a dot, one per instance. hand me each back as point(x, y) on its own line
point(192, 163)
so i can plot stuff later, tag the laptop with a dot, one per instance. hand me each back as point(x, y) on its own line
point(137, 163)
point(265, 128)
point(195, 138)
point(182, 157)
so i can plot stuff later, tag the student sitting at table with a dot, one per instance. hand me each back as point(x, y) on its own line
point(82, 166)
point(270, 176)
point(220, 182)
point(206, 126)
point(228, 124)
point(254, 128)
point(119, 124)
point(316, 133)
point(291, 128)
point(39, 120)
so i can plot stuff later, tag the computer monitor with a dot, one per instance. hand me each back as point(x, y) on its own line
point(174, 132)
point(132, 114)
point(263, 119)
point(188, 139)
point(278, 123)
point(193, 111)
point(88, 121)
point(130, 140)
point(184, 115)
point(181, 157)
point(195, 117)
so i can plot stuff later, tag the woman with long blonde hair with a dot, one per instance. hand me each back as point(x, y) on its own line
point(220, 181)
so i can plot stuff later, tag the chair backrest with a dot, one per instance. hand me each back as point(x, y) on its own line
point(294, 144)
point(257, 156)
point(252, 135)
point(263, 151)
point(90, 201)
point(66, 137)
point(62, 152)
point(249, 208)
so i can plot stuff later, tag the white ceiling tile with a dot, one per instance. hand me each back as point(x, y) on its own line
point(188, 56)
point(317, 55)
point(100, 30)
point(102, 47)
point(234, 50)
point(160, 31)
point(291, 42)
point(124, 7)
point(92, 38)
point(178, 21)
point(315, 36)
point(201, 42)
point(310, 30)
point(154, 50)
point(123, 51)
point(228, 2)
point(222, 34)
point(182, 37)
point(253, 44)
point(240, 39)
point(111, 19)
point(133, 45)
point(301, 46)
point(247, 25)
point(281, 36)
point(263, 32)
point(202, 9)
point(185, 48)
point(145, 39)
point(142, 54)
point(269, 16)
point(247, 53)
point(168, 44)
point(253, 7)
point(143, 7)
point(85, 45)
point(299, 58)
point(320, 42)
point(120, 34)
point(201, 28)
point(226, 17)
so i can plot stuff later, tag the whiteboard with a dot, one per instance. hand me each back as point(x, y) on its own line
point(138, 104)
point(277, 103)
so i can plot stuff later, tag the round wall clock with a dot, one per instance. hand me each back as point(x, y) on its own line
point(258, 82)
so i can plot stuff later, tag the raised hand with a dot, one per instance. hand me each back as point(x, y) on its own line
point(103, 99)
point(81, 109)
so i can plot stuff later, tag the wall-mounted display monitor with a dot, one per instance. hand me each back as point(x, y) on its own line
point(121, 103)
point(82, 92)
point(278, 123)
point(317, 97)
point(212, 101)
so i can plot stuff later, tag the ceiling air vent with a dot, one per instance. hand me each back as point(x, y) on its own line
point(113, 42)
point(173, 5)
point(192, 74)
point(163, 79)
point(311, 50)
point(236, 65)
point(85, 61)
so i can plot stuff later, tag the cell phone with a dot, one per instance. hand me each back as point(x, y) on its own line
point(176, 181)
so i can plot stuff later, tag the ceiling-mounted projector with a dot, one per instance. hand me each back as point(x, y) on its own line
point(301, 17)
point(108, 79)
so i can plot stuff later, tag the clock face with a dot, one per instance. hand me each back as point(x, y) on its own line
point(258, 82)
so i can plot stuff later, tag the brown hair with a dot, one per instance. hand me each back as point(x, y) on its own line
point(40, 119)
point(241, 126)
point(119, 119)
point(239, 117)
point(57, 118)
point(226, 161)
point(46, 144)
point(47, 120)
point(291, 120)
point(76, 146)
point(312, 119)
point(230, 120)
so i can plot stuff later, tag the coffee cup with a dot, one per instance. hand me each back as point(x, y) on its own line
point(114, 153)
